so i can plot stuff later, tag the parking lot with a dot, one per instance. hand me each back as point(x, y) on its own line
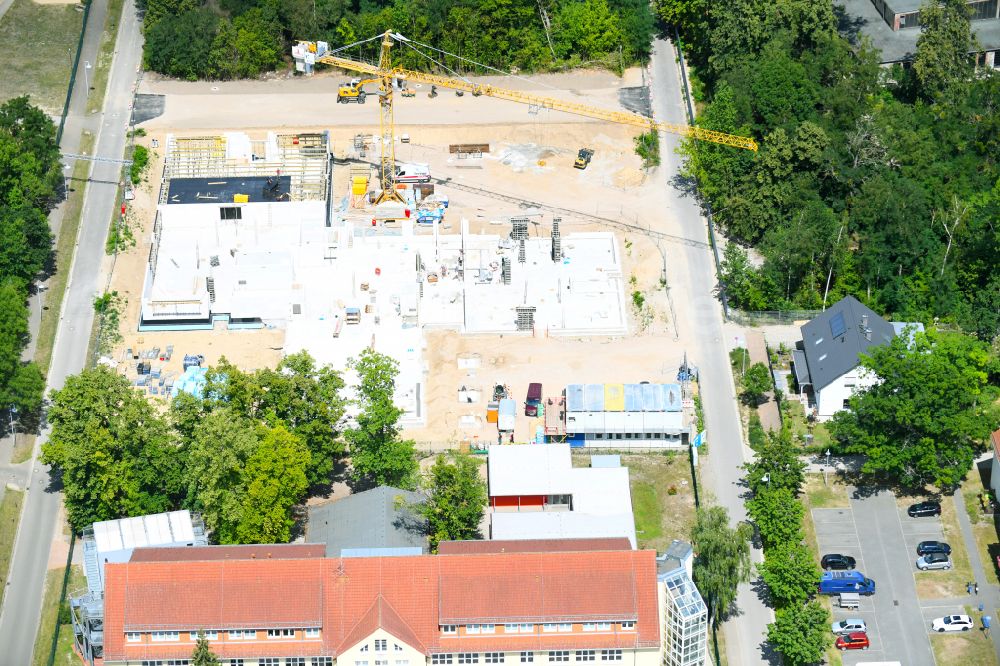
point(883, 540)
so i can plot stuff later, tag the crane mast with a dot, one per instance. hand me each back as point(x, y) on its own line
point(387, 126)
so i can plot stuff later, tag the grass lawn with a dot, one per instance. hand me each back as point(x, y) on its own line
point(39, 43)
point(795, 417)
point(50, 615)
point(10, 515)
point(829, 495)
point(659, 516)
point(951, 583)
point(964, 648)
point(720, 640)
point(102, 68)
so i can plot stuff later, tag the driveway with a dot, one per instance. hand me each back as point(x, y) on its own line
point(883, 539)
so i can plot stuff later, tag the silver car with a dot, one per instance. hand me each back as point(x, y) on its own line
point(933, 561)
point(849, 625)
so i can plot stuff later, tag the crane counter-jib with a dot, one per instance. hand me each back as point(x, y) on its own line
point(575, 108)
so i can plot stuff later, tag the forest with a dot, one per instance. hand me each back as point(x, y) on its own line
point(30, 181)
point(881, 182)
point(230, 39)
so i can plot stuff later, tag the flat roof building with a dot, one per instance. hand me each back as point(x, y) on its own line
point(623, 416)
point(376, 518)
point(536, 493)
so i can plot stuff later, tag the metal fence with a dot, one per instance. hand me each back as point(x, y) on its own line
point(770, 317)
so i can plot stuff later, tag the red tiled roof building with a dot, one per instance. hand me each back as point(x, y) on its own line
point(292, 608)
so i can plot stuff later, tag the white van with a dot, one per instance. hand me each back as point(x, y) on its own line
point(413, 173)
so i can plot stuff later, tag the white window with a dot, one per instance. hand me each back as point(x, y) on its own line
point(381, 645)
point(559, 655)
point(565, 626)
point(361, 662)
point(441, 659)
point(488, 628)
point(165, 636)
point(628, 626)
point(242, 634)
point(312, 632)
point(468, 657)
point(270, 661)
point(494, 657)
point(233, 662)
point(133, 636)
point(320, 661)
point(527, 628)
point(280, 633)
point(209, 635)
point(295, 661)
point(585, 655)
point(151, 663)
point(547, 627)
point(397, 647)
point(177, 662)
point(382, 662)
point(402, 662)
point(449, 629)
point(527, 657)
point(611, 655)
point(472, 628)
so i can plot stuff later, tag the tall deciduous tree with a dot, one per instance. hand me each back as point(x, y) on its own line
point(943, 47)
point(456, 499)
point(777, 515)
point(378, 456)
point(275, 480)
point(116, 455)
point(776, 459)
point(801, 635)
point(790, 573)
point(722, 559)
point(756, 382)
point(929, 413)
point(21, 384)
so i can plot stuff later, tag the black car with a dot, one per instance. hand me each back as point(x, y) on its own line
point(928, 547)
point(919, 509)
point(838, 562)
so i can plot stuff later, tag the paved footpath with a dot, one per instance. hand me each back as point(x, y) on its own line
point(989, 591)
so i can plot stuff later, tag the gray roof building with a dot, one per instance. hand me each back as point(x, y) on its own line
point(833, 341)
point(893, 26)
point(371, 519)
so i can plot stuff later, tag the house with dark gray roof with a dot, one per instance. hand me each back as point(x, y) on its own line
point(827, 364)
point(374, 520)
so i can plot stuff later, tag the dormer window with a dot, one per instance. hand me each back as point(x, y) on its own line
point(449, 629)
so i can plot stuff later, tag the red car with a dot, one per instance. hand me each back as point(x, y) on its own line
point(853, 641)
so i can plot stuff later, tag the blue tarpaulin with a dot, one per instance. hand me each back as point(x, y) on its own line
point(633, 397)
point(593, 397)
point(672, 397)
point(192, 381)
point(574, 398)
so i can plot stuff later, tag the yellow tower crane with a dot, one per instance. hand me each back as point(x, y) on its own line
point(384, 73)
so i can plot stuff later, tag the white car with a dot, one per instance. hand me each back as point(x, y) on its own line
point(850, 625)
point(952, 623)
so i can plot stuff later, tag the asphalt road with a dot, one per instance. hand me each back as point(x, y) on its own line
point(699, 319)
point(883, 539)
point(22, 603)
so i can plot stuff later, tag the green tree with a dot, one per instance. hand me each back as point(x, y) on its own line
point(456, 499)
point(943, 47)
point(115, 454)
point(181, 44)
point(776, 458)
point(722, 559)
point(21, 384)
point(217, 457)
point(801, 635)
point(777, 514)
point(160, 9)
point(743, 284)
point(588, 29)
point(203, 655)
point(378, 456)
point(756, 382)
point(932, 409)
point(275, 479)
point(790, 573)
point(30, 171)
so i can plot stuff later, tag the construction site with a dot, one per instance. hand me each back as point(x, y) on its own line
point(481, 256)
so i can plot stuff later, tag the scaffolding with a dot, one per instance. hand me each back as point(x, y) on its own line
point(304, 158)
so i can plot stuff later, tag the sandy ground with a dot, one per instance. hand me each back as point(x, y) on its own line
point(531, 158)
point(309, 102)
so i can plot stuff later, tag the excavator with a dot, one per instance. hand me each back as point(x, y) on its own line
point(353, 91)
point(384, 73)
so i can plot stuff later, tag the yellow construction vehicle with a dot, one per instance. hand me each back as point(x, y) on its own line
point(384, 73)
point(353, 91)
point(583, 158)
